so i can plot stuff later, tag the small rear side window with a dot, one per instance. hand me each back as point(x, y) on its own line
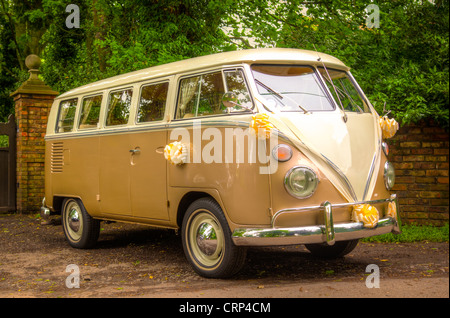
point(90, 112)
point(152, 103)
point(119, 105)
point(66, 115)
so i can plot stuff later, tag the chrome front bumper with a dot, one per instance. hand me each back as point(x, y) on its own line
point(326, 233)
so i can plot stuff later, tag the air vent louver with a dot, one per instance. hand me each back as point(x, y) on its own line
point(57, 157)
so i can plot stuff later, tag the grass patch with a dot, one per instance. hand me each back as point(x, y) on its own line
point(4, 141)
point(413, 233)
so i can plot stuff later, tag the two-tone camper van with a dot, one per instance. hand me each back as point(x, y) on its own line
point(261, 147)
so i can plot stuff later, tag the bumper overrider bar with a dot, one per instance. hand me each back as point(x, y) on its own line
point(328, 233)
point(45, 212)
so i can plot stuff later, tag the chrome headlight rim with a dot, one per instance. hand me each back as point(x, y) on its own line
point(389, 180)
point(307, 170)
point(385, 148)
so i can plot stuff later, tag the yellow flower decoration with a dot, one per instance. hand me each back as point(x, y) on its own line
point(388, 126)
point(367, 214)
point(261, 125)
point(392, 210)
point(176, 153)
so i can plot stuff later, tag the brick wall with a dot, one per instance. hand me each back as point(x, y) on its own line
point(420, 154)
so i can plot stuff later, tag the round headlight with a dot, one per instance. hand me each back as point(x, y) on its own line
point(301, 182)
point(389, 175)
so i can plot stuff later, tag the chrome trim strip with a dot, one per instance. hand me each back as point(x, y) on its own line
point(102, 132)
point(190, 123)
point(142, 128)
point(165, 125)
point(369, 178)
point(343, 177)
point(372, 168)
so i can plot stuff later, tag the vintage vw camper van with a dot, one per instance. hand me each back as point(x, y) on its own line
point(260, 147)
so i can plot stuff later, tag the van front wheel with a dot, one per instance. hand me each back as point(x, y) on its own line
point(80, 229)
point(339, 249)
point(207, 241)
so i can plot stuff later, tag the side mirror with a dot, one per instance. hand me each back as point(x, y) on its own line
point(229, 100)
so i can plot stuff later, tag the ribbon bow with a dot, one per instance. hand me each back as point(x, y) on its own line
point(176, 153)
point(367, 214)
point(388, 126)
point(261, 125)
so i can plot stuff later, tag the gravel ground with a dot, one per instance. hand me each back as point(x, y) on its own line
point(138, 261)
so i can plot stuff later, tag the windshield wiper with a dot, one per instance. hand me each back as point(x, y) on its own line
point(279, 95)
point(344, 116)
point(344, 93)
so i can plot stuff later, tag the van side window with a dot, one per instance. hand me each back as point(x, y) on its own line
point(66, 115)
point(90, 112)
point(119, 105)
point(236, 83)
point(152, 102)
point(201, 96)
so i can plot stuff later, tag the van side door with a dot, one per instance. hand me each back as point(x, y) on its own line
point(148, 188)
point(115, 156)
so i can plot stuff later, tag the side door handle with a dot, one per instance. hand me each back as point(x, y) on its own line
point(135, 151)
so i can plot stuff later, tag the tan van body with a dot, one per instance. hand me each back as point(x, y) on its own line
point(118, 171)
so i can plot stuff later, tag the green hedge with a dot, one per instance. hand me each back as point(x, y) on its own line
point(414, 233)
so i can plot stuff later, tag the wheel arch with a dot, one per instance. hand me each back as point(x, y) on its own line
point(191, 196)
point(58, 201)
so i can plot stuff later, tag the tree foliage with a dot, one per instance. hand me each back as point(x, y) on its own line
point(403, 63)
point(114, 37)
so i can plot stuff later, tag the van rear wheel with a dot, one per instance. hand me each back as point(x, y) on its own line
point(80, 229)
point(207, 241)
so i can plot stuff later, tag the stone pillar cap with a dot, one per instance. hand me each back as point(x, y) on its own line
point(33, 62)
point(34, 85)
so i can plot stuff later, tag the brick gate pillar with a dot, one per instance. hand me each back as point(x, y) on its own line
point(33, 100)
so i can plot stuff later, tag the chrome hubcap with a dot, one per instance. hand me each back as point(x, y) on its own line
point(74, 220)
point(207, 239)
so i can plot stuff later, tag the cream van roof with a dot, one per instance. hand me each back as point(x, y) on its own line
point(271, 55)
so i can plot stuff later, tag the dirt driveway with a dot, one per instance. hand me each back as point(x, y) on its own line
point(137, 261)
